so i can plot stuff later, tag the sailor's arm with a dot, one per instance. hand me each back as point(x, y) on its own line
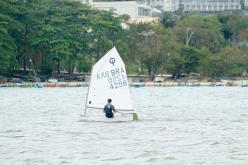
point(105, 108)
point(113, 109)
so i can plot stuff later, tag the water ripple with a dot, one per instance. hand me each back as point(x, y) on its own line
point(179, 126)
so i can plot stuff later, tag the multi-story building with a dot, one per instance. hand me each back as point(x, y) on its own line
point(209, 5)
point(148, 8)
point(246, 3)
point(131, 8)
point(165, 5)
point(170, 5)
point(86, 1)
point(138, 12)
point(195, 5)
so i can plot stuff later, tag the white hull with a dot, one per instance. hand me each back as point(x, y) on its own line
point(117, 117)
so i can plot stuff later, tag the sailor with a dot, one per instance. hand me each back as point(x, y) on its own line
point(109, 109)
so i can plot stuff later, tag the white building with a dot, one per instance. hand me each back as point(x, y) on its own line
point(195, 5)
point(209, 5)
point(131, 8)
point(170, 5)
point(86, 1)
point(246, 3)
point(165, 5)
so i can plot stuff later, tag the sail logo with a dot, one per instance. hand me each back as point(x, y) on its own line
point(112, 61)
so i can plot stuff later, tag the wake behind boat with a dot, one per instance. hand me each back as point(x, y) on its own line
point(109, 81)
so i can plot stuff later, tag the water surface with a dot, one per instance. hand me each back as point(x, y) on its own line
point(180, 125)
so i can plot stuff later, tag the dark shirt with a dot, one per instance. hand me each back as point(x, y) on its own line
point(106, 108)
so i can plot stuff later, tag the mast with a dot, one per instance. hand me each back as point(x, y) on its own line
point(85, 109)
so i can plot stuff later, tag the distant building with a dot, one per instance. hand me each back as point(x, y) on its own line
point(246, 3)
point(170, 5)
point(195, 5)
point(138, 12)
point(86, 1)
point(131, 8)
point(209, 5)
point(138, 20)
point(163, 5)
point(145, 6)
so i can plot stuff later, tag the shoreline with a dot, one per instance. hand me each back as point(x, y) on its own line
point(171, 83)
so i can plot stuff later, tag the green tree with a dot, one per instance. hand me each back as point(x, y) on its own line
point(200, 31)
point(7, 51)
point(169, 19)
point(228, 62)
point(191, 57)
point(150, 47)
point(105, 26)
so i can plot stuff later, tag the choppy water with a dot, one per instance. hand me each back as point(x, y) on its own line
point(180, 126)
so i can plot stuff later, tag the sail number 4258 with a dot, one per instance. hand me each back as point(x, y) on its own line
point(119, 84)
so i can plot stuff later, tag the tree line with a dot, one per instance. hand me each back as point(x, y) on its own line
point(50, 36)
point(53, 35)
point(213, 45)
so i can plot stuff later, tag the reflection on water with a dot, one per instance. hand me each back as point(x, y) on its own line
point(180, 125)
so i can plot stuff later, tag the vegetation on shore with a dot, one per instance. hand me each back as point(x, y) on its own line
point(53, 35)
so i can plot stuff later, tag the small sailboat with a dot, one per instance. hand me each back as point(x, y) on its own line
point(109, 81)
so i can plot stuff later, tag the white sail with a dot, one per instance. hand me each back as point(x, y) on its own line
point(109, 80)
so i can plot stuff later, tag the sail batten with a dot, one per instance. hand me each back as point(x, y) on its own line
point(109, 80)
point(126, 110)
